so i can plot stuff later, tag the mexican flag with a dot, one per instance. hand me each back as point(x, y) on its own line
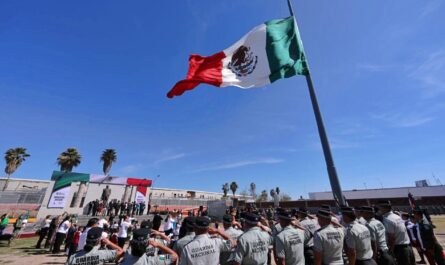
point(269, 52)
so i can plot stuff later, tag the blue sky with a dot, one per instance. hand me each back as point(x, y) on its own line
point(94, 75)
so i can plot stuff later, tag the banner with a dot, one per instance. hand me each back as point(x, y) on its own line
point(63, 182)
point(58, 198)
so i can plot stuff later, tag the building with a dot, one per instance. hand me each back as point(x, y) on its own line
point(34, 196)
point(387, 193)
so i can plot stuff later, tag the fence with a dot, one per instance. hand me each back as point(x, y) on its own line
point(178, 202)
point(22, 196)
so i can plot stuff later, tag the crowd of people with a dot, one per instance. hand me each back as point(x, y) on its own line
point(116, 208)
point(361, 235)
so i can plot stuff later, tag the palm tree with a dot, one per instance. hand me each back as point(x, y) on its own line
point(69, 159)
point(108, 157)
point(233, 187)
point(253, 190)
point(14, 157)
point(225, 189)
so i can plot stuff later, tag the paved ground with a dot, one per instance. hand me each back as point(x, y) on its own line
point(23, 252)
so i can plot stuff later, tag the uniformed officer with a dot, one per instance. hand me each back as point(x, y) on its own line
point(433, 249)
point(91, 255)
point(289, 243)
point(233, 233)
point(138, 256)
point(378, 237)
point(328, 241)
point(397, 236)
point(311, 225)
point(253, 246)
point(203, 250)
point(158, 237)
point(359, 214)
point(189, 225)
point(358, 239)
point(334, 218)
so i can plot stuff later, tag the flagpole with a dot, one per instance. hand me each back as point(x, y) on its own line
point(332, 172)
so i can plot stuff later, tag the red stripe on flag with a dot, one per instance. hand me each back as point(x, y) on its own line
point(201, 70)
point(139, 182)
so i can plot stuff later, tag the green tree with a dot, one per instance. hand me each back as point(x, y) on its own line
point(263, 197)
point(14, 157)
point(285, 197)
point(108, 157)
point(69, 159)
point(233, 187)
point(225, 189)
point(253, 190)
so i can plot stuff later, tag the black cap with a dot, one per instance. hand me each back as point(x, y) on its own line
point(285, 215)
point(227, 219)
point(146, 224)
point(346, 209)
point(326, 207)
point(190, 221)
point(324, 214)
point(302, 210)
point(94, 233)
point(251, 218)
point(368, 209)
point(385, 203)
point(141, 233)
point(403, 214)
point(202, 222)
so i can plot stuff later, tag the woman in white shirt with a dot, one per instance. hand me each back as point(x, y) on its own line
point(43, 230)
point(123, 231)
point(61, 234)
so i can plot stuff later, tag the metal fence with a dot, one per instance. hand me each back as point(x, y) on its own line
point(178, 202)
point(22, 196)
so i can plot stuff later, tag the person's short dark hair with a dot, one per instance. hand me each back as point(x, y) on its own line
point(92, 222)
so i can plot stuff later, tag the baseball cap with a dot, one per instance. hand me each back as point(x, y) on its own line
point(94, 233)
point(202, 222)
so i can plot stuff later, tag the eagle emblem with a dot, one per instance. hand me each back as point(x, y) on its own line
point(243, 61)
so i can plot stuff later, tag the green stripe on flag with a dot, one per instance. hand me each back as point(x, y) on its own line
point(64, 179)
point(284, 49)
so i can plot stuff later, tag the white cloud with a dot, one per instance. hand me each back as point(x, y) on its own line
point(398, 119)
point(431, 73)
point(129, 169)
point(241, 163)
point(375, 67)
point(430, 7)
point(169, 158)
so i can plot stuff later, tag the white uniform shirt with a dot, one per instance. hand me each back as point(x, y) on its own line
point(83, 239)
point(203, 250)
point(123, 229)
point(63, 228)
point(394, 224)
